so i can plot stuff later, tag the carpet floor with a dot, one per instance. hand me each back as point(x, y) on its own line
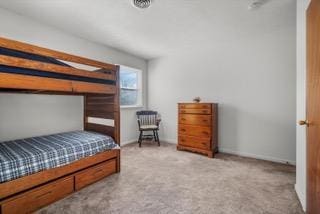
point(163, 180)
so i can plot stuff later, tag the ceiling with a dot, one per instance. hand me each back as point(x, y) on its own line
point(167, 26)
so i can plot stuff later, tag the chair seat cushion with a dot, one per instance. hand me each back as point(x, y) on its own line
point(148, 127)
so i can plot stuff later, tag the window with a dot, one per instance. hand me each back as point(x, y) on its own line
point(131, 87)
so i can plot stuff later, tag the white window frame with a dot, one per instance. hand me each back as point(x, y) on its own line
point(139, 87)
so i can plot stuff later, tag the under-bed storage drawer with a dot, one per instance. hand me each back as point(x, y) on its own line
point(39, 197)
point(94, 174)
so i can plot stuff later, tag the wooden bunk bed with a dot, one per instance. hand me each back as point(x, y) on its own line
point(26, 68)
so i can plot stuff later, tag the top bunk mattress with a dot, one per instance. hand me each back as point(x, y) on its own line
point(27, 156)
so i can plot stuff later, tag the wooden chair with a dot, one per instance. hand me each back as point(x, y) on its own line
point(148, 121)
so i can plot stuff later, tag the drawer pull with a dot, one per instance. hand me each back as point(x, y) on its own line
point(183, 111)
point(44, 194)
point(183, 130)
point(205, 120)
point(182, 140)
point(206, 133)
point(183, 119)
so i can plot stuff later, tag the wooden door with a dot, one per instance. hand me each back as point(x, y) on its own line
point(313, 108)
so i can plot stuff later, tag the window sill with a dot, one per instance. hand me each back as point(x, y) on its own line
point(131, 107)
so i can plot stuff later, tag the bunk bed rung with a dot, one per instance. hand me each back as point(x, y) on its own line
point(100, 114)
point(100, 128)
point(102, 106)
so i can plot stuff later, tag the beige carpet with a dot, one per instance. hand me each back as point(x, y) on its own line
point(162, 180)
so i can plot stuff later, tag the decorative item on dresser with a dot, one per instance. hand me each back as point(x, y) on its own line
point(198, 127)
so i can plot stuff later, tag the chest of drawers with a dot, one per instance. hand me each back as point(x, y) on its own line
point(198, 127)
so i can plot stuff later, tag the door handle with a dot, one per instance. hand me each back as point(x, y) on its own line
point(304, 123)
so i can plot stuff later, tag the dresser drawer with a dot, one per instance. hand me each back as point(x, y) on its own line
point(190, 119)
point(194, 106)
point(195, 142)
point(196, 131)
point(194, 111)
point(39, 197)
point(94, 174)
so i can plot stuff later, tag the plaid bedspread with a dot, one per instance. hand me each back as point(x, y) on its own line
point(27, 156)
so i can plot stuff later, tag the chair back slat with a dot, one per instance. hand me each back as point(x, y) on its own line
point(147, 117)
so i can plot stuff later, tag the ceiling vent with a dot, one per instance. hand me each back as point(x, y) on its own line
point(141, 4)
point(255, 4)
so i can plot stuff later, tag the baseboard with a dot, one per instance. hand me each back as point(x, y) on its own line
point(128, 141)
point(172, 141)
point(243, 154)
point(301, 197)
point(261, 157)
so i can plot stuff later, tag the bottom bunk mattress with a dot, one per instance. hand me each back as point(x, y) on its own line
point(27, 156)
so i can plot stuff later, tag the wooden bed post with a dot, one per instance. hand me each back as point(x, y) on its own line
point(117, 114)
point(117, 107)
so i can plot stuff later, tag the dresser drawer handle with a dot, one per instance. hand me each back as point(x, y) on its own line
point(206, 133)
point(183, 119)
point(183, 111)
point(183, 130)
point(182, 140)
point(44, 194)
point(205, 120)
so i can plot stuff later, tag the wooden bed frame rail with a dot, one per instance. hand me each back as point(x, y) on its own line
point(24, 47)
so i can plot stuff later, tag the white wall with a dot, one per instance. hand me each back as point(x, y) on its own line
point(37, 114)
point(302, 6)
point(253, 79)
point(31, 115)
